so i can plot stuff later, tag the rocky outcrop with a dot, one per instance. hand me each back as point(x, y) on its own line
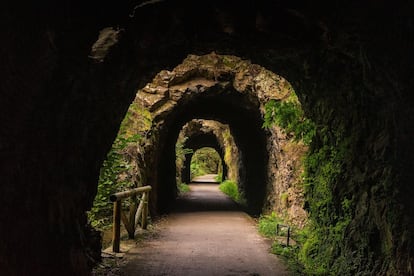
point(207, 133)
point(350, 63)
point(213, 77)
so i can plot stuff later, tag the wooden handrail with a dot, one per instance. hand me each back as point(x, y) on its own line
point(280, 226)
point(129, 193)
point(135, 212)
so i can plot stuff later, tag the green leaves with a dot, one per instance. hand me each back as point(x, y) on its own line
point(110, 181)
point(205, 161)
point(289, 116)
point(231, 189)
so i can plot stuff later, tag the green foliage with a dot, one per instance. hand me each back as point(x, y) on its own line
point(205, 161)
point(231, 189)
point(219, 177)
point(320, 246)
point(183, 188)
point(289, 115)
point(180, 156)
point(110, 181)
point(320, 252)
point(267, 227)
point(267, 224)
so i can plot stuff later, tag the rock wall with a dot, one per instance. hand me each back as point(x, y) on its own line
point(349, 61)
point(215, 76)
point(207, 133)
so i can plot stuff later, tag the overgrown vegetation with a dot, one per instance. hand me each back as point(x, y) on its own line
point(183, 188)
point(267, 227)
point(231, 189)
point(181, 153)
point(288, 114)
point(114, 176)
point(119, 170)
point(318, 247)
point(205, 161)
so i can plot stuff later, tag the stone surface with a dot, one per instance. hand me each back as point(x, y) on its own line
point(211, 76)
point(350, 63)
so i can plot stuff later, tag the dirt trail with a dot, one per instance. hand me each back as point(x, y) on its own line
point(207, 234)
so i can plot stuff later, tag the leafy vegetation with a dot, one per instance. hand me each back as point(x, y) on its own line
point(181, 153)
point(289, 115)
point(231, 189)
point(205, 161)
point(183, 188)
point(267, 224)
point(110, 180)
point(118, 171)
point(317, 251)
point(267, 227)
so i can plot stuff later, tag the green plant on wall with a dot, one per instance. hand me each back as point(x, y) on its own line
point(205, 161)
point(110, 182)
point(117, 169)
point(231, 189)
point(181, 152)
point(288, 114)
point(318, 244)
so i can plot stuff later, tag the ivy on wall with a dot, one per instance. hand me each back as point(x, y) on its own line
point(319, 243)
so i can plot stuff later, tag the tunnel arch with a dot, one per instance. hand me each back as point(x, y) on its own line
point(207, 133)
point(196, 142)
point(213, 158)
point(226, 89)
point(349, 62)
point(253, 164)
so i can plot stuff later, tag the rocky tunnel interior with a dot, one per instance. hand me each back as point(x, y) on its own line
point(245, 122)
point(196, 142)
point(70, 71)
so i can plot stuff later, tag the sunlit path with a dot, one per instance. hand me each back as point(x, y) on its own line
point(207, 234)
point(208, 178)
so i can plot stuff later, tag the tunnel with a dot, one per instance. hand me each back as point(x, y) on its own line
point(245, 123)
point(70, 71)
point(196, 142)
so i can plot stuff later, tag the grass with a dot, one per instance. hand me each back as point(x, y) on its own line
point(230, 188)
point(267, 227)
point(183, 188)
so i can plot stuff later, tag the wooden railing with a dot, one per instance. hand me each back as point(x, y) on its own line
point(135, 213)
point(278, 230)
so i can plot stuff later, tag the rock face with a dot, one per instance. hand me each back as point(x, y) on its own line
point(210, 80)
point(197, 134)
point(350, 63)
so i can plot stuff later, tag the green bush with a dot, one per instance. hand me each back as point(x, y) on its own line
point(230, 188)
point(318, 250)
point(289, 115)
point(109, 181)
point(183, 188)
point(267, 224)
point(205, 161)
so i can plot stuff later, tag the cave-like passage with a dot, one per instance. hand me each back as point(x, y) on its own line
point(245, 122)
point(195, 143)
point(206, 164)
point(205, 234)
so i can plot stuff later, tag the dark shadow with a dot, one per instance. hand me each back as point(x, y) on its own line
point(205, 200)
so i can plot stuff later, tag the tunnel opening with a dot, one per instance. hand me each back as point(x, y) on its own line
point(234, 100)
point(245, 122)
point(206, 161)
point(351, 63)
point(196, 135)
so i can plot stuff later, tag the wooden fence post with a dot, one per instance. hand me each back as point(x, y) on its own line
point(134, 214)
point(116, 234)
point(145, 211)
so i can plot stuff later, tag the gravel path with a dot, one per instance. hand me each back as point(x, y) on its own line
point(206, 234)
